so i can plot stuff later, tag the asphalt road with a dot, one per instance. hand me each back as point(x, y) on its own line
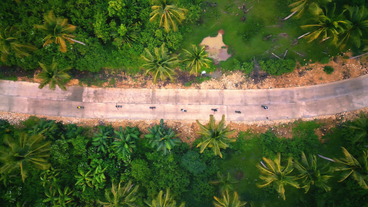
point(289, 103)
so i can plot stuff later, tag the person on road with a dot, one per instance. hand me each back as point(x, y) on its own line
point(264, 107)
point(80, 107)
point(183, 110)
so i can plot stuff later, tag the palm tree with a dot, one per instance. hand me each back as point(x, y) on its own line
point(358, 27)
point(360, 127)
point(313, 6)
point(160, 64)
point(101, 139)
point(196, 58)
point(311, 174)
point(351, 166)
point(61, 200)
point(225, 182)
point(277, 175)
point(125, 141)
point(53, 76)
point(162, 137)
point(24, 152)
point(328, 25)
point(170, 15)
point(163, 200)
point(57, 30)
point(119, 197)
point(125, 35)
point(9, 41)
point(227, 201)
point(215, 137)
point(84, 179)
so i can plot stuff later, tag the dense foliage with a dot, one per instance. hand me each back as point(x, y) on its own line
point(87, 169)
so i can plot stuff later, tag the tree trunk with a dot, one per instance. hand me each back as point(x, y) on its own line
point(289, 15)
point(77, 41)
point(275, 55)
point(326, 158)
point(303, 35)
point(287, 50)
point(359, 55)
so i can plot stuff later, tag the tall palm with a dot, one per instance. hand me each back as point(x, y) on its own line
point(273, 173)
point(125, 141)
point(57, 30)
point(313, 6)
point(162, 137)
point(328, 25)
point(358, 27)
point(215, 137)
point(160, 64)
point(360, 127)
point(120, 196)
point(352, 167)
point(166, 200)
point(311, 173)
point(53, 76)
point(9, 41)
point(196, 58)
point(227, 201)
point(170, 15)
point(24, 152)
point(225, 182)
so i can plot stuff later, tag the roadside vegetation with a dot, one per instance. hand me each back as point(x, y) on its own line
point(44, 163)
point(125, 34)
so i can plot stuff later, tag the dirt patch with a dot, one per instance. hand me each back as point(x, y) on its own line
point(187, 129)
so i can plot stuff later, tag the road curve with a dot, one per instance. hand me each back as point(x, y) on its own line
point(283, 103)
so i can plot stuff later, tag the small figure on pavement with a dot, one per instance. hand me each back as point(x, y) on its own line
point(238, 112)
point(119, 106)
point(80, 107)
point(152, 107)
point(183, 110)
point(264, 107)
point(214, 110)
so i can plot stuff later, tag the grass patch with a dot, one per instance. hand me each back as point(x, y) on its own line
point(328, 69)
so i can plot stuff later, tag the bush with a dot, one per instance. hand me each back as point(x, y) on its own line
point(247, 67)
point(325, 60)
point(191, 162)
point(328, 69)
point(278, 67)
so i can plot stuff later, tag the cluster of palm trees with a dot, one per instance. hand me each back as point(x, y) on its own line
point(277, 173)
point(57, 30)
point(348, 27)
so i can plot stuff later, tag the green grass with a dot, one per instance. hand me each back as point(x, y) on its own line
point(246, 39)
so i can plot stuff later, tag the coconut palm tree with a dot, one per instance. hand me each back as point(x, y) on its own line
point(166, 200)
point(227, 201)
point(358, 27)
point(125, 35)
point(196, 58)
point(57, 30)
point(360, 127)
point(9, 41)
point(125, 141)
point(170, 15)
point(313, 6)
point(215, 137)
point(120, 196)
point(162, 137)
point(53, 76)
point(160, 65)
point(61, 200)
point(311, 173)
point(102, 139)
point(224, 181)
point(84, 179)
point(24, 152)
point(273, 173)
point(328, 25)
point(352, 167)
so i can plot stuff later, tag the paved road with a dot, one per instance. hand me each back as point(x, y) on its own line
point(300, 102)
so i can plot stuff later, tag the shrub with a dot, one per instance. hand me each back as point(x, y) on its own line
point(328, 69)
point(191, 162)
point(247, 67)
point(278, 67)
point(325, 60)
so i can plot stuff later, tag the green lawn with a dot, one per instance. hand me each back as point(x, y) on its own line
point(246, 40)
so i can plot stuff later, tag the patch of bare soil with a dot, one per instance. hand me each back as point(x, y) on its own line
point(187, 129)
